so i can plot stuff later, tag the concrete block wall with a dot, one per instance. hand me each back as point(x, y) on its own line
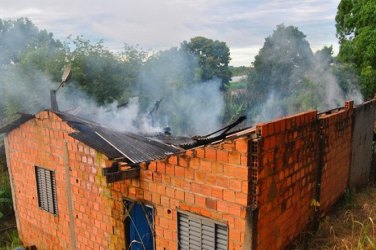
point(336, 131)
point(211, 181)
point(361, 158)
point(286, 178)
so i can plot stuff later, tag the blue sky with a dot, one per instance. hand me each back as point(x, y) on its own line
point(160, 24)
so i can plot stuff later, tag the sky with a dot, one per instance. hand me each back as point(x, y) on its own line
point(154, 25)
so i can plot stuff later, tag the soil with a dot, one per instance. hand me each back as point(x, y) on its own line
point(350, 225)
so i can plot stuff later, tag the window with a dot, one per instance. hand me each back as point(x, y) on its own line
point(197, 232)
point(138, 225)
point(46, 188)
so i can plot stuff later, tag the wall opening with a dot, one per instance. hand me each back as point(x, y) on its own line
point(138, 226)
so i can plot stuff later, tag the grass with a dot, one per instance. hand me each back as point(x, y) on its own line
point(9, 240)
point(351, 224)
point(8, 232)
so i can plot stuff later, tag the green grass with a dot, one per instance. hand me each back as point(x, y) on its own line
point(351, 224)
point(9, 240)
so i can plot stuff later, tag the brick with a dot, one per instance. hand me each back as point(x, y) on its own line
point(170, 192)
point(183, 161)
point(217, 193)
point(179, 194)
point(234, 158)
point(200, 152)
point(173, 160)
point(241, 145)
point(200, 176)
point(194, 163)
point(210, 153)
point(222, 206)
point(234, 209)
point(189, 173)
point(211, 179)
point(222, 181)
point(161, 167)
point(235, 185)
point(200, 201)
point(153, 166)
point(241, 199)
point(196, 187)
point(222, 156)
point(206, 166)
point(228, 195)
point(211, 203)
point(189, 198)
point(170, 169)
point(165, 201)
point(179, 171)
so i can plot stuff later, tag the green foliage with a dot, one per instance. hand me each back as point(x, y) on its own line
point(6, 204)
point(9, 240)
point(213, 56)
point(102, 74)
point(356, 30)
point(240, 71)
point(285, 54)
point(19, 36)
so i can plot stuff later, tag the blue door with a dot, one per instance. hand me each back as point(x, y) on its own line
point(139, 226)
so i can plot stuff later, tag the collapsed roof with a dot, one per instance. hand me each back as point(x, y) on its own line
point(135, 148)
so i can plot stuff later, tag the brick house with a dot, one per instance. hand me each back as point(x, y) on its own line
point(77, 185)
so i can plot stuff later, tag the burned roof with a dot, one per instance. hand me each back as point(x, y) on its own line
point(14, 122)
point(114, 144)
point(133, 147)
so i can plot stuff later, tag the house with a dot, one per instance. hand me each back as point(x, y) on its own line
point(78, 185)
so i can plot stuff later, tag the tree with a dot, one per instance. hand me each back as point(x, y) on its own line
point(102, 74)
point(213, 57)
point(356, 31)
point(29, 57)
point(288, 78)
point(285, 54)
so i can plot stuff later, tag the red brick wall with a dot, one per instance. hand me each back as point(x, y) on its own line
point(41, 142)
point(210, 181)
point(336, 131)
point(286, 179)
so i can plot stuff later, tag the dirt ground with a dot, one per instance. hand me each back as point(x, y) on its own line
point(350, 225)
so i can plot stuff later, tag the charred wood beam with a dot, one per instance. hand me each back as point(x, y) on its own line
point(112, 175)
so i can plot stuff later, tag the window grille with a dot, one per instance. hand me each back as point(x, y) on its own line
point(46, 188)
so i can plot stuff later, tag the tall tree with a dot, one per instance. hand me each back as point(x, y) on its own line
point(356, 30)
point(213, 56)
point(284, 55)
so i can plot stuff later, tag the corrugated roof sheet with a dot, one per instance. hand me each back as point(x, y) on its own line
point(134, 147)
point(137, 148)
point(114, 144)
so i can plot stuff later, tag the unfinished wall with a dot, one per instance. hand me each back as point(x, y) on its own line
point(211, 181)
point(87, 222)
point(362, 137)
point(336, 130)
point(286, 178)
point(283, 171)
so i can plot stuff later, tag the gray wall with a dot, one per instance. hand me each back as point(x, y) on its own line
point(362, 136)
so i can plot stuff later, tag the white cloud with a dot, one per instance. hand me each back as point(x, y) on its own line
point(242, 24)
